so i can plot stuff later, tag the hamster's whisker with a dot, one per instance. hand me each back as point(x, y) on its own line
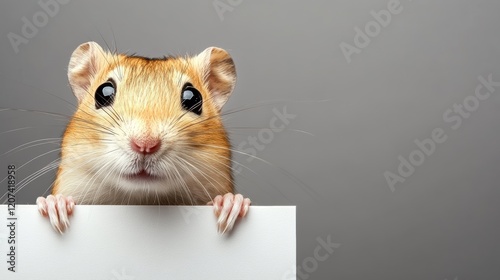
point(26, 163)
point(174, 177)
point(88, 155)
point(218, 186)
point(35, 175)
point(196, 162)
point(95, 130)
point(32, 177)
point(182, 184)
point(120, 173)
point(180, 86)
point(20, 129)
point(243, 108)
point(196, 122)
point(125, 196)
point(116, 49)
point(271, 102)
point(88, 185)
point(211, 117)
point(52, 114)
point(94, 123)
point(30, 127)
point(32, 144)
point(105, 109)
point(101, 184)
point(284, 129)
point(37, 157)
point(186, 168)
point(93, 178)
point(91, 108)
point(129, 197)
point(201, 163)
point(44, 91)
point(283, 171)
point(86, 127)
point(196, 104)
point(89, 144)
point(209, 155)
point(116, 116)
point(185, 67)
point(50, 186)
point(20, 184)
point(52, 165)
point(170, 174)
point(228, 129)
point(114, 56)
point(157, 198)
point(250, 107)
point(232, 131)
point(103, 180)
point(103, 169)
point(179, 118)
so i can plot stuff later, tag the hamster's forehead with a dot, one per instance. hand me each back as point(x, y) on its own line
point(138, 71)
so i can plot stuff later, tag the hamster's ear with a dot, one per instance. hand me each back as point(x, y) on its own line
point(219, 74)
point(83, 66)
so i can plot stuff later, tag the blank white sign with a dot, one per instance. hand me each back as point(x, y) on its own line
point(150, 242)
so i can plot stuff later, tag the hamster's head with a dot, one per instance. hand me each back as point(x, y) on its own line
point(150, 124)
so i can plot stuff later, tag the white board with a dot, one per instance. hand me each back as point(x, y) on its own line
point(150, 242)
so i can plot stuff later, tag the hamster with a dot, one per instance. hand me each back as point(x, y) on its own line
point(146, 131)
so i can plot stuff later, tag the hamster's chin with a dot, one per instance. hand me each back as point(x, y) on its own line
point(142, 176)
point(143, 182)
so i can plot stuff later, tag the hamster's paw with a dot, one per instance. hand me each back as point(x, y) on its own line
point(58, 208)
point(227, 208)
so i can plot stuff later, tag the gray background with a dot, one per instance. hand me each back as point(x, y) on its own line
point(352, 121)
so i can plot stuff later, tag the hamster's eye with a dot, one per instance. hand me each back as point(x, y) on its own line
point(105, 95)
point(191, 99)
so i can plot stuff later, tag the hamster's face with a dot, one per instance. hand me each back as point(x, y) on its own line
point(150, 124)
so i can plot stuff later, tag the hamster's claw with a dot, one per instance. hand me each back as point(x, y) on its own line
point(58, 208)
point(227, 208)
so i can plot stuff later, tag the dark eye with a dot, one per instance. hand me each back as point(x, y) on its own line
point(105, 95)
point(191, 99)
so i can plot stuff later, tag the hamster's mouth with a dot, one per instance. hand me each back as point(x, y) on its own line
point(142, 175)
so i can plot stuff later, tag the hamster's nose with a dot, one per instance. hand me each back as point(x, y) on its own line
point(145, 145)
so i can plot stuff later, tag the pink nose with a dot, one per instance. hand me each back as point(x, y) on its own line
point(145, 145)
